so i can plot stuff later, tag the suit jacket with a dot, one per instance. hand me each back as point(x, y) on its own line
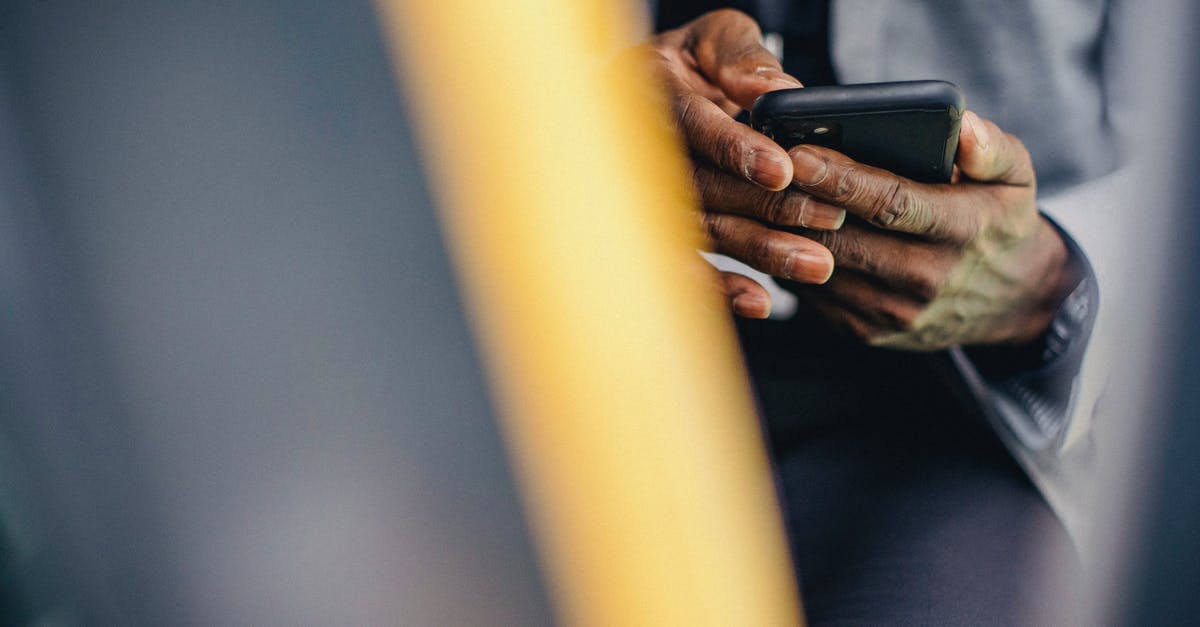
point(1058, 75)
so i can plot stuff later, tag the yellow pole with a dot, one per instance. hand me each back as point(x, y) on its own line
point(625, 408)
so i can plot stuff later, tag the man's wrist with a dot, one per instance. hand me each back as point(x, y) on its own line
point(1061, 273)
point(1070, 300)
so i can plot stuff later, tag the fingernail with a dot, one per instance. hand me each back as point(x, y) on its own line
point(768, 169)
point(808, 267)
point(752, 305)
point(776, 76)
point(818, 215)
point(808, 168)
point(978, 129)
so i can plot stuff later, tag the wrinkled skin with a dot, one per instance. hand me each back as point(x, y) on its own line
point(918, 266)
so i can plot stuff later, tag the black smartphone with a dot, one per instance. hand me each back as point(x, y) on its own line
point(909, 128)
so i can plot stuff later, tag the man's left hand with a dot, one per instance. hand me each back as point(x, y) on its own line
point(925, 267)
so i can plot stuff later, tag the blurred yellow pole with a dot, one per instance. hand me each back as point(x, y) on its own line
point(626, 411)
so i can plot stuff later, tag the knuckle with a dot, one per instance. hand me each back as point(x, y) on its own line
point(1009, 160)
point(828, 239)
point(886, 313)
point(895, 206)
point(1009, 227)
point(849, 184)
point(1012, 159)
point(861, 330)
point(659, 52)
point(798, 209)
point(831, 240)
point(904, 339)
point(685, 107)
point(970, 225)
point(759, 253)
point(854, 252)
point(703, 183)
point(727, 146)
point(754, 59)
point(728, 235)
point(898, 319)
point(924, 287)
point(1005, 231)
point(777, 209)
point(717, 226)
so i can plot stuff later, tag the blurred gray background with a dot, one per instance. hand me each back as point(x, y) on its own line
point(236, 384)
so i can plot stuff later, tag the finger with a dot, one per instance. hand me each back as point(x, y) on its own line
point(676, 68)
point(732, 146)
point(777, 253)
point(900, 263)
point(885, 309)
point(988, 154)
point(729, 51)
point(747, 298)
point(846, 319)
point(886, 200)
point(723, 193)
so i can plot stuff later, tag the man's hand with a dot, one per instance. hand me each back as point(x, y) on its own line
point(712, 68)
point(925, 267)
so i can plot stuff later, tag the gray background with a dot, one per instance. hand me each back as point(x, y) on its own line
point(237, 386)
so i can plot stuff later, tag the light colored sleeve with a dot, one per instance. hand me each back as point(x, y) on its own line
point(1099, 223)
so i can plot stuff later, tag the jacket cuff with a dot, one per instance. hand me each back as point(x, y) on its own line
point(1034, 387)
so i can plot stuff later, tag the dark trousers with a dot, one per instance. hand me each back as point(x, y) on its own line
point(903, 508)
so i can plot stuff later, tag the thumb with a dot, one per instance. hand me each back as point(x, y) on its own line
point(989, 155)
point(729, 51)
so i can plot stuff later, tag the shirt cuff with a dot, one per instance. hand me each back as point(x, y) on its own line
point(1034, 387)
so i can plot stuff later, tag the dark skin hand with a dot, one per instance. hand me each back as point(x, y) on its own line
point(712, 68)
point(919, 266)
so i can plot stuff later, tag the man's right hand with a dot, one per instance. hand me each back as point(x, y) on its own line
point(712, 68)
